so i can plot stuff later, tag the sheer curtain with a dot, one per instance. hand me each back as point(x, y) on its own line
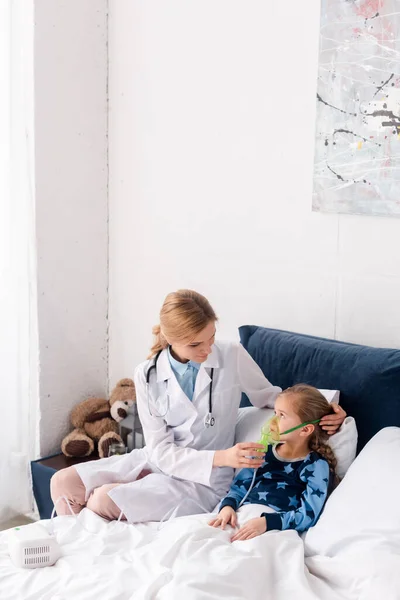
point(18, 331)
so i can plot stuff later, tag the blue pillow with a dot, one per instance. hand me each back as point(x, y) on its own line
point(368, 378)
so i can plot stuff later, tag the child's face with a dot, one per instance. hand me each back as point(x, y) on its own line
point(284, 409)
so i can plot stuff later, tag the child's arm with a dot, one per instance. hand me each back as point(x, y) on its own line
point(316, 475)
point(230, 504)
point(239, 487)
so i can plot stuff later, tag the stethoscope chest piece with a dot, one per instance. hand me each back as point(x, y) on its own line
point(209, 420)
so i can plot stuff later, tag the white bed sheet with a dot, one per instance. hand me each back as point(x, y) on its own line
point(186, 558)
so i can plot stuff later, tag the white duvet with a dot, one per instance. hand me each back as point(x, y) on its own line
point(353, 552)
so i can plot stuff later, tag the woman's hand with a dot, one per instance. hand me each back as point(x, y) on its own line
point(245, 454)
point(226, 516)
point(331, 423)
point(251, 529)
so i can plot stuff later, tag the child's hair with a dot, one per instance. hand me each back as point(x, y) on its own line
point(310, 405)
point(183, 315)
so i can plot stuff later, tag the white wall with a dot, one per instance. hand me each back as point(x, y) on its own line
point(212, 111)
point(71, 207)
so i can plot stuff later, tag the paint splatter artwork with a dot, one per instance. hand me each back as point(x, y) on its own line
point(357, 156)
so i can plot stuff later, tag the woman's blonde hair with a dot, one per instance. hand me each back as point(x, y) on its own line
point(183, 315)
point(310, 405)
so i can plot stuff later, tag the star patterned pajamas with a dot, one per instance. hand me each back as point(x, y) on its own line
point(296, 489)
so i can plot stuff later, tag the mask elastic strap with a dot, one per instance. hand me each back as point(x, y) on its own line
point(301, 425)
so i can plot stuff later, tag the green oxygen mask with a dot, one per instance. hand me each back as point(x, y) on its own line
point(270, 434)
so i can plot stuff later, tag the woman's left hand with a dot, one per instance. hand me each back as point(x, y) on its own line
point(331, 423)
point(251, 529)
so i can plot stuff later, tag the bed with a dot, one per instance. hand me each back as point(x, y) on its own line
point(352, 553)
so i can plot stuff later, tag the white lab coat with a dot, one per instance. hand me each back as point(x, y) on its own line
point(179, 448)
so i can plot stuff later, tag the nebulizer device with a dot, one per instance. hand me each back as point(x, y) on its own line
point(33, 545)
point(271, 436)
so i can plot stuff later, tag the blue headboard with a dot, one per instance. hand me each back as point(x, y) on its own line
point(368, 378)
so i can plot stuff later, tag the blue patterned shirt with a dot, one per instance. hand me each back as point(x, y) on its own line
point(297, 490)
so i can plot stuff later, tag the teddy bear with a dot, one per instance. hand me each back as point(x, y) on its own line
point(96, 422)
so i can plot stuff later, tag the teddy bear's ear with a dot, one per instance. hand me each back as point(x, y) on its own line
point(125, 383)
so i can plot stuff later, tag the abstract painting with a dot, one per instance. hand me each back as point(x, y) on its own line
point(357, 154)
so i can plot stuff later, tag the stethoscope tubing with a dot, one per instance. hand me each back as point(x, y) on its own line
point(209, 420)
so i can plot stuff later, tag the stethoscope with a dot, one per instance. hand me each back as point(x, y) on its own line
point(209, 421)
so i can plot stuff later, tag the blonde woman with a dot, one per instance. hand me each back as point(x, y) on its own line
point(188, 395)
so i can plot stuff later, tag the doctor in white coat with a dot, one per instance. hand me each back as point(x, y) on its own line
point(188, 396)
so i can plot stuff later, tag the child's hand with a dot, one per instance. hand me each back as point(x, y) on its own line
point(251, 529)
point(225, 517)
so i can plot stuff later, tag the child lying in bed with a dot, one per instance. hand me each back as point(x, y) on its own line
point(297, 475)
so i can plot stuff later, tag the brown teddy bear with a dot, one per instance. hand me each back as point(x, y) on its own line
point(96, 421)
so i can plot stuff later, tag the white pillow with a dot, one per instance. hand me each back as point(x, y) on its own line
point(331, 395)
point(364, 510)
point(343, 443)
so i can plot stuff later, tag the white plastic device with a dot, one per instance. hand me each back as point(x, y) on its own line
point(32, 546)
